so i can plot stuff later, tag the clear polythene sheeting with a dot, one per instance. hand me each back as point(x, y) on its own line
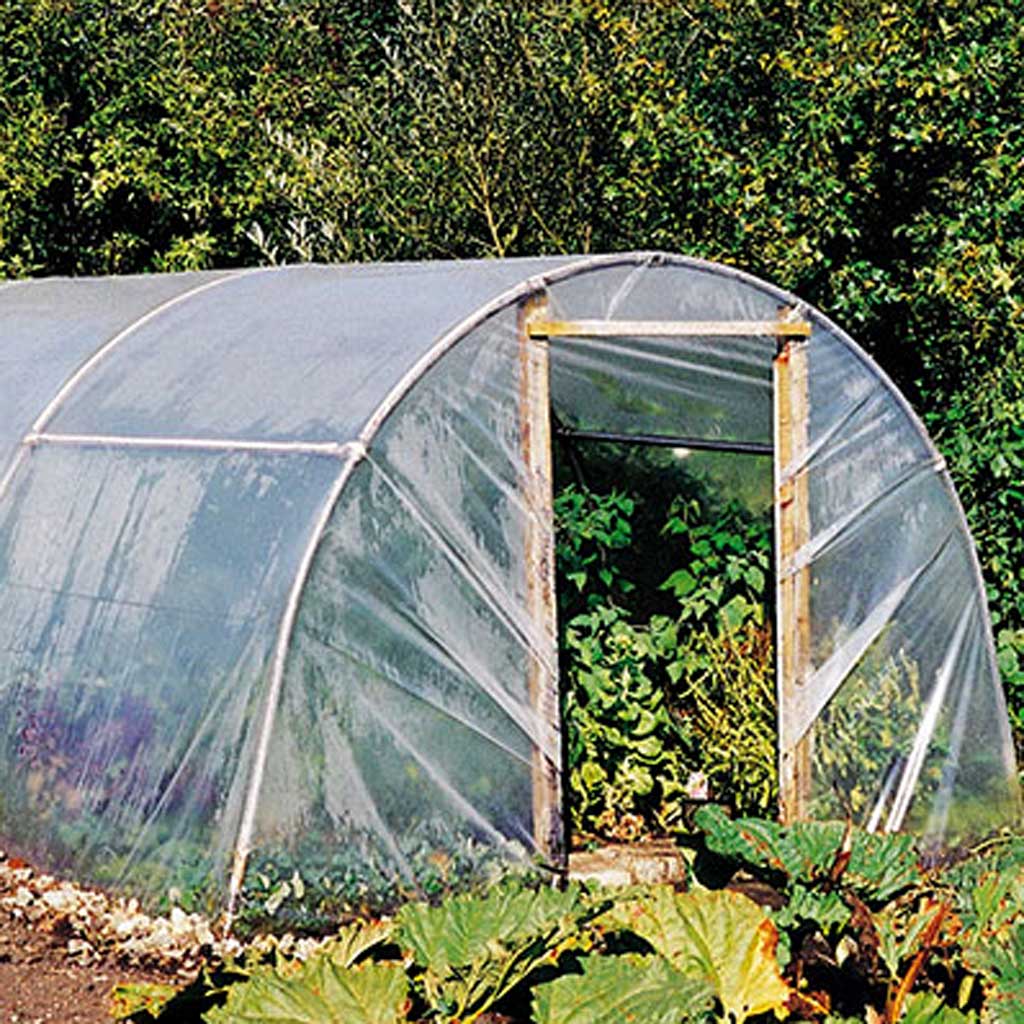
point(900, 701)
point(705, 388)
point(140, 593)
point(174, 687)
point(401, 756)
point(306, 354)
point(50, 328)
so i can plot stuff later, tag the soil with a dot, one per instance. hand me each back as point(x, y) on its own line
point(64, 947)
point(40, 982)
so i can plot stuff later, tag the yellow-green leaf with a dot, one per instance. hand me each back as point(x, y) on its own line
point(321, 993)
point(621, 988)
point(721, 937)
point(131, 998)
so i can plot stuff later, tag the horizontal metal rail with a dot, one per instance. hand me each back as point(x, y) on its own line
point(335, 449)
point(669, 328)
point(699, 444)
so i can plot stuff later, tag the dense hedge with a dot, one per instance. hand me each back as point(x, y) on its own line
point(868, 155)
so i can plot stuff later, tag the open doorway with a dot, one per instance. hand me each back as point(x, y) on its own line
point(666, 654)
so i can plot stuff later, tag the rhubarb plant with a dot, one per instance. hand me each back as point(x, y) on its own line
point(470, 952)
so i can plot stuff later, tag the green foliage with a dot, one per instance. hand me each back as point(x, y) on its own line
point(310, 884)
point(718, 937)
point(319, 990)
point(830, 877)
point(723, 578)
point(879, 867)
point(613, 989)
point(863, 153)
point(660, 706)
point(852, 927)
point(590, 527)
point(1001, 962)
point(474, 951)
point(928, 1008)
point(866, 728)
point(140, 999)
point(626, 750)
point(354, 941)
point(725, 683)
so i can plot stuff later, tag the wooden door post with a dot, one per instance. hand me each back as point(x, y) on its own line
point(792, 532)
point(535, 435)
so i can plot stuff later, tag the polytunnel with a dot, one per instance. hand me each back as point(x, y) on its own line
point(276, 574)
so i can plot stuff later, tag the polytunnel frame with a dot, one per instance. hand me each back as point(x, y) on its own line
point(352, 453)
point(535, 287)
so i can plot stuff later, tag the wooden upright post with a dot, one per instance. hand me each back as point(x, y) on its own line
point(535, 434)
point(792, 532)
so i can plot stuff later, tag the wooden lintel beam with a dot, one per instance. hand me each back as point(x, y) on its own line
point(541, 328)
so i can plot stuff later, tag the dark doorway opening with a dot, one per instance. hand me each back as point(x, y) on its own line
point(666, 656)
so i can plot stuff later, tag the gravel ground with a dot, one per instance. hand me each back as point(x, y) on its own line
point(64, 948)
point(39, 982)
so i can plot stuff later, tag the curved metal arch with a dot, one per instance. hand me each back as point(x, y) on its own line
point(356, 452)
point(69, 386)
point(784, 298)
point(943, 474)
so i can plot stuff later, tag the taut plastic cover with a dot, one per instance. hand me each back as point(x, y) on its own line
point(267, 597)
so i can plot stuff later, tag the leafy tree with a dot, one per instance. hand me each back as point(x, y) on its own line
point(863, 153)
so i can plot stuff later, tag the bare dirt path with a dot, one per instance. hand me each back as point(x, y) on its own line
point(39, 982)
point(64, 948)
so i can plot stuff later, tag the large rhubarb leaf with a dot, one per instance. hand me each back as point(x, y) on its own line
point(452, 934)
point(720, 937)
point(902, 928)
point(474, 950)
point(826, 910)
point(880, 866)
point(133, 999)
point(628, 988)
point(1001, 962)
point(322, 992)
point(928, 1008)
point(355, 940)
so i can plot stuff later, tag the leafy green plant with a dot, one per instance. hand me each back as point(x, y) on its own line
point(876, 867)
point(310, 885)
point(590, 526)
point(721, 938)
point(850, 927)
point(1001, 963)
point(724, 692)
point(724, 571)
point(473, 951)
point(609, 990)
point(140, 999)
point(319, 990)
point(627, 752)
point(829, 881)
point(664, 709)
point(865, 732)
point(928, 1008)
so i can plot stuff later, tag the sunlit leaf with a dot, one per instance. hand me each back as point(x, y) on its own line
point(320, 993)
point(720, 937)
point(611, 990)
point(928, 1008)
point(131, 998)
